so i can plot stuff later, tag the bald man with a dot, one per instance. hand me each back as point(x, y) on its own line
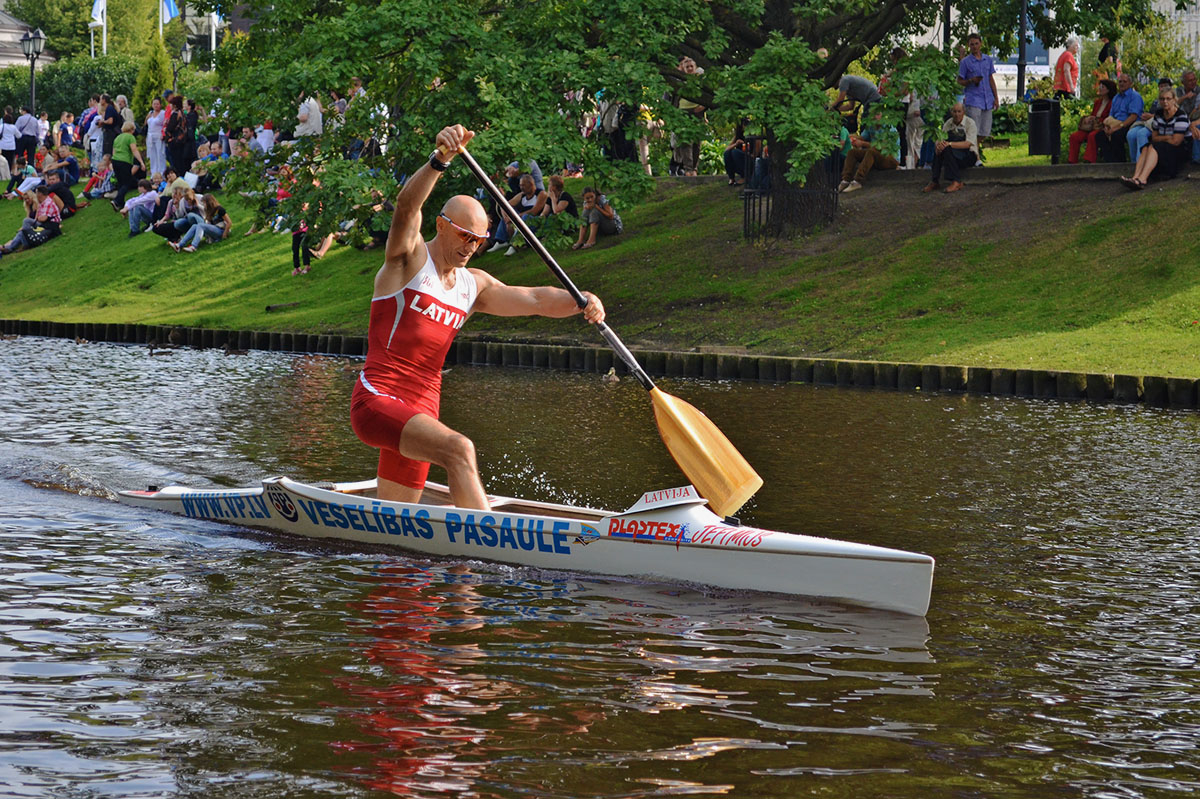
point(423, 294)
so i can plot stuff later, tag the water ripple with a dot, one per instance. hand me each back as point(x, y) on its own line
point(146, 655)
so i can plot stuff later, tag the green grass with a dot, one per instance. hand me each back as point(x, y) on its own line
point(1110, 281)
point(1016, 153)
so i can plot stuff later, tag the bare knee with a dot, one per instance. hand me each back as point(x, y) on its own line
point(459, 453)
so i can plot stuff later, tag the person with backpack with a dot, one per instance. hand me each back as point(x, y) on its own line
point(175, 136)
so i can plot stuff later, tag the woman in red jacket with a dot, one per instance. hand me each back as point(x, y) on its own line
point(1106, 90)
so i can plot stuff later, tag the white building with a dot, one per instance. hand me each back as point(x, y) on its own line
point(11, 31)
point(1189, 21)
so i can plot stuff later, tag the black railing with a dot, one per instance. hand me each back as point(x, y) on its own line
point(771, 211)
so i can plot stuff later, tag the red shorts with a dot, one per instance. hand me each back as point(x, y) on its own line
point(378, 420)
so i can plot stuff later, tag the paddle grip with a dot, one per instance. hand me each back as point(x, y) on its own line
point(502, 202)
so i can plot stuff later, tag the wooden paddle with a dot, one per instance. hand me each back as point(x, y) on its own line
point(718, 471)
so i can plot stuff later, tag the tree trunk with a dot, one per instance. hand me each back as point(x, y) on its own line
point(800, 209)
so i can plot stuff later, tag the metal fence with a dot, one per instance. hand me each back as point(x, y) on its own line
point(785, 210)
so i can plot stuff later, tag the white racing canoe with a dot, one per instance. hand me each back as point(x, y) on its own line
point(665, 535)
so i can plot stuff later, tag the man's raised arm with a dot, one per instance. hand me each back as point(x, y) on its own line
point(404, 237)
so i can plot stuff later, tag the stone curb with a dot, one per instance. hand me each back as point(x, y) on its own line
point(1167, 392)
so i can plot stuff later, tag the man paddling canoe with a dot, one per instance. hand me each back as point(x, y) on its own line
point(423, 294)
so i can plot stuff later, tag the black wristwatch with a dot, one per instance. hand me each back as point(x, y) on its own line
point(437, 164)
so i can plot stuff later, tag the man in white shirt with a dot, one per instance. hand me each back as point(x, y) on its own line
point(309, 121)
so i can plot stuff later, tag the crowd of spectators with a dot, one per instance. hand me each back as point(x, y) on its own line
point(157, 174)
point(1158, 141)
point(161, 162)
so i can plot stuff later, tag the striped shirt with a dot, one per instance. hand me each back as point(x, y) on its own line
point(1166, 127)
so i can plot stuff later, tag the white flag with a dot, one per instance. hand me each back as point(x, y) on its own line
point(99, 9)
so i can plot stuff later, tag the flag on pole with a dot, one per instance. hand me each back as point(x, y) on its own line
point(167, 11)
point(99, 20)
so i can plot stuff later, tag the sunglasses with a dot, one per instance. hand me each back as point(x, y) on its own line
point(468, 236)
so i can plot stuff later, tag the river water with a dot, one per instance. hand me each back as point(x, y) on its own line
point(143, 654)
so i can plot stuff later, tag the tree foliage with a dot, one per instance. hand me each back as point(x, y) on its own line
point(153, 77)
point(65, 23)
point(931, 75)
point(67, 85)
point(1156, 51)
point(526, 75)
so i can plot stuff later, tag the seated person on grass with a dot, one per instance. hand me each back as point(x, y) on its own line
point(512, 173)
point(163, 188)
point(558, 199)
point(65, 164)
point(214, 153)
point(1126, 110)
point(735, 158)
point(1139, 135)
point(212, 223)
point(139, 210)
point(162, 182)
point(599, 217)
point(1090, 126)
point(957, 152)
point(22, 174)
point(44, 225)
point(63, 197)
point(100, 183)
point(528, 203)
point(1170, 146)
point(182, 202)
point(877, 148)
point(192, 176)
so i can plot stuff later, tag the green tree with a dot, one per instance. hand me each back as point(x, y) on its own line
point(527, 74)
point(63, 21)
point(66, 85)
point(1156, 51)
point(153, 77)
point(131, 23)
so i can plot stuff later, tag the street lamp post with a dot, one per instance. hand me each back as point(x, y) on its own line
point(32, 44)
point(185, 56)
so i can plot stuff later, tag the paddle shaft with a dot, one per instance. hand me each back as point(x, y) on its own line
point(613, 341)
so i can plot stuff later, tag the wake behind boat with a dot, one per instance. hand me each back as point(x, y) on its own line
point(667, 534)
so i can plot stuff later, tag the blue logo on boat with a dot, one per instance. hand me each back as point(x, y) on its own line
point(283, 503)
point(587, 534)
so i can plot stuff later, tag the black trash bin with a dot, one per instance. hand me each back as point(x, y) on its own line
point(1045, 129)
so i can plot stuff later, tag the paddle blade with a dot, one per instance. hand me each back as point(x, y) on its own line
point(704, 454)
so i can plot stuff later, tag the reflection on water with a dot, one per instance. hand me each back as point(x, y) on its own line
point(147, 655)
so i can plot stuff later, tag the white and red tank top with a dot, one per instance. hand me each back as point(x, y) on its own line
point(410, 333)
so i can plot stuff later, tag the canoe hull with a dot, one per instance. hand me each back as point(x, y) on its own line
point(673, 539)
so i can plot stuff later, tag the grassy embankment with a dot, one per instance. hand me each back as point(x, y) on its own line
point(1082, 276)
